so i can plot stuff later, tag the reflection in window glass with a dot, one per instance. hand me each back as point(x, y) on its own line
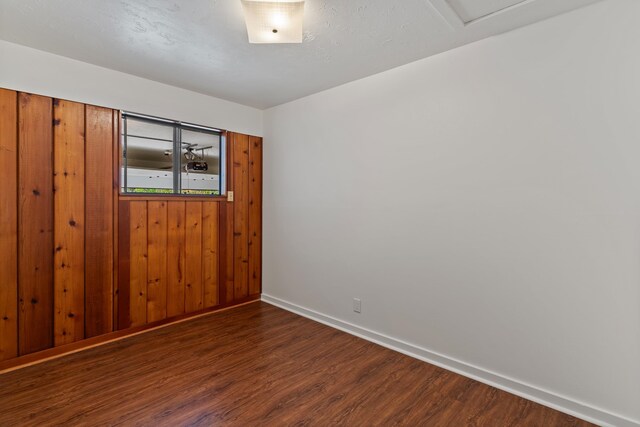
point(200, 171)
point(162, 156)
point(148, 160)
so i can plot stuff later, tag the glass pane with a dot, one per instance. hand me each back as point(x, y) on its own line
point(148, 157)
point(200, 171)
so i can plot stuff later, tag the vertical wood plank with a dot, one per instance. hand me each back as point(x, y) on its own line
point(226, 230)
point(98, 222)
point(157, 275)
point(193, 258)
point(210, 252)
point(35, 223)
point(255, 215)
point(176, 212)
point(138, 263)
point(115, 148)
point(8, 224)
point(229, 258)
point(124, 265)
point(68, 226)
point(225, 289)
point(241, 216)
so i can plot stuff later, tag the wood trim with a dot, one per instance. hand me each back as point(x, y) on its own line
point(171, 198)
point(63, 350)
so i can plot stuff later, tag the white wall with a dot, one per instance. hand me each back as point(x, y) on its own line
point(30, 70)
point(483, 203)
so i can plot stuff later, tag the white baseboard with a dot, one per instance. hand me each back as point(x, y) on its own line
point(544, 397)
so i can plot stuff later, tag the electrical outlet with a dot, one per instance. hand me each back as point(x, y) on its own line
point(357, 305)
point(229, 196)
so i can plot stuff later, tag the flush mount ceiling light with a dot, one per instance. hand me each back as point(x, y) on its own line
point(275, 21)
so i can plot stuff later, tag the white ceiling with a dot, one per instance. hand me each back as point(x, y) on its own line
point(202, 44)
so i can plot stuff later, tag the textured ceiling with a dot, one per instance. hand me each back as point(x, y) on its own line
point(470, 10)
point(202, 44)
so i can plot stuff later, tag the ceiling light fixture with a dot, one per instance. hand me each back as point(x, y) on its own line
point(274, 21)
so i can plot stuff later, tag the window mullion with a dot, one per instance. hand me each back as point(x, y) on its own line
point(177, 149)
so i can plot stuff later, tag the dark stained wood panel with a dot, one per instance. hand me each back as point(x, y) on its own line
point(262, 366)
point(157, 276)
point(99, 221)
point(226, 230)
point(8, 224)
point(241, 215)
point(116, 119)
point(124, 265)
point(80, 260)
point(194, 291)
point(176, 242)
point(210, 242)
point(35, 223)
point(226, 252)
point(255, 215)
point(138, 263)
point(68, 230)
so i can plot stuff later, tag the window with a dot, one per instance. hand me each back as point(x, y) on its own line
point(168, 157)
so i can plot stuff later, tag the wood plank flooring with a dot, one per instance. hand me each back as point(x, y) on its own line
point(255, 365)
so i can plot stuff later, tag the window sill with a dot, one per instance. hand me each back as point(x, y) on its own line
point(171, 197)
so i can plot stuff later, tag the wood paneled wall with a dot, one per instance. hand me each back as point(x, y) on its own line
point(188, 255)
point(56, 236)
point(172, 248)
point(80, 261)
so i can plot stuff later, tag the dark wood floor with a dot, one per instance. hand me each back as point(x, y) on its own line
point(255, 365)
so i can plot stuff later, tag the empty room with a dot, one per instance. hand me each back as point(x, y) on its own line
point(320, 213)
